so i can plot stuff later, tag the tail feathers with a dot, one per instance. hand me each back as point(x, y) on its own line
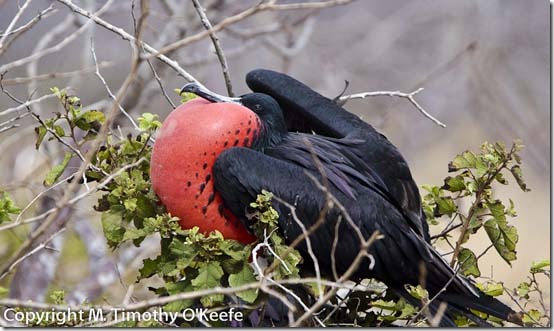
point(461, 305)
point(451, 313)
point(485, 304)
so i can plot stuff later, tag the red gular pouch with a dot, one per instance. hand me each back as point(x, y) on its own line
point(188, 144)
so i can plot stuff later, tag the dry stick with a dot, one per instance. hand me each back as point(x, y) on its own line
point(55, 33)
point(97, 73)
point(269, 6)
point(11, 26)
point(18, 218)
point(28, 25)
point(34, 250)
point(345, 277)
point(334, 249)
point(55, 75)
point(308, 242)
point(73, 187)
point(409, 96)
point(291, 293)
point(156, 77)
point(21, 30)
point(201, 58)
point(27, 104)
point(126, 36)
point(299, 44)
point(55, 48)
point(160, 84)
point(215, 41)
point(13, 126)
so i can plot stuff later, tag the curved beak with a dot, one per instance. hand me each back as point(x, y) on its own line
point(203, 92)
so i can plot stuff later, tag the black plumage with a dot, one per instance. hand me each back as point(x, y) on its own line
point(366, 174)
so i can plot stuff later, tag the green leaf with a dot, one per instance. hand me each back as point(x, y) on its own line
point(133, 234)
point(245, 276)
point(468, 263)
point(94, 115)
point(176, 288)
point(185, 96)
point(454, 184)
point(523, 290)
point(531, 317)
point(446, 206)
point(180, 249)
point(58, 297)
point(540, 266)
point(491, 288)
point(382, 304)
point(57, 171)
point(112, 226)
point(148, 121)
point(41, 133)
point(466, 160)
point(291, 260)
point(500, 178)
point(417, 292)
point(497, 210)
point(149, 268)
point(518, 175)
point(234, 249)
point(130, 204)
point(56, 91)
point(503, 237)
point(59, 130)
point(511, 210)
point(209, 276)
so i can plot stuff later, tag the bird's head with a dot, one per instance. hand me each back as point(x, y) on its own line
point(263, 105)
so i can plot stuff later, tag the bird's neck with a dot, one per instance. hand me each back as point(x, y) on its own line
point(268, 137)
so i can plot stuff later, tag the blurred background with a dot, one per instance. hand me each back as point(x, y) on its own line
point(485, 67)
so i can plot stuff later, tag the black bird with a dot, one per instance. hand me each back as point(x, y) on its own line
point(366, 174)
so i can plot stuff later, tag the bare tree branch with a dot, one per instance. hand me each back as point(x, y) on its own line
point(215, 41)
point(409, 96)
point(11, 26)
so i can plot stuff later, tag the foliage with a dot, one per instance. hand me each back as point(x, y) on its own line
point(7, 207)
point(529, 293)
point(473, 179)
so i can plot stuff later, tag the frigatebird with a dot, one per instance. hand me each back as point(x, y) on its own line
point(306, 136)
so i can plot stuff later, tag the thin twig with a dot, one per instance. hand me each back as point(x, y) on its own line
point(27, 103)
point(56, 75)
point(349, 272)
point(409, 96)
point(66, 41)
point(215, 41)
point(97, 73)
point(22, 29)
point(260, 7)
point(33, 251)
point(12, 25)
point(94, 17)
point(32, 22)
